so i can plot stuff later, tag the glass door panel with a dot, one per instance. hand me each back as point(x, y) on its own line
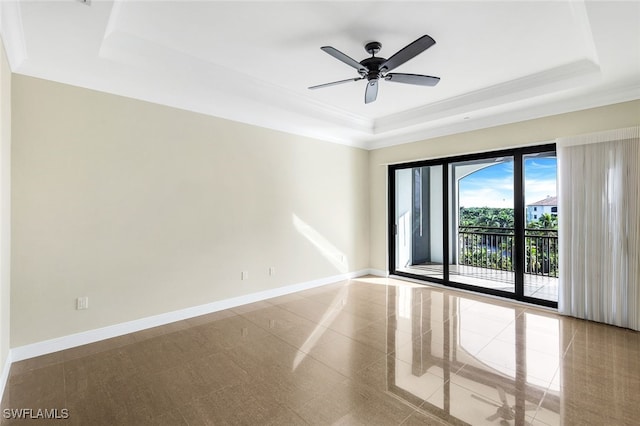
point(481, 223)
point(418, 221)
point(541, 226)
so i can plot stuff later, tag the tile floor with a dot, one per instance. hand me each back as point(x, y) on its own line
point(370, 351)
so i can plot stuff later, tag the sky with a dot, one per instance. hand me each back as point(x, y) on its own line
point(493, 186)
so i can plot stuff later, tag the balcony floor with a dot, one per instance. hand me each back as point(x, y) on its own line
point(538, 286)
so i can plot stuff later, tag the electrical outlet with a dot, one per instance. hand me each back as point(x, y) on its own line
point(82, 303)
point(272, 270)
point(244, 275)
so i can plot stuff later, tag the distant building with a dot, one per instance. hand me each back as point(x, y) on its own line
point(537, 209)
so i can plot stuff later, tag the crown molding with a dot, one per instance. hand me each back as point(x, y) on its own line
point(513, 113)
point(548, 81)
point(243, 96)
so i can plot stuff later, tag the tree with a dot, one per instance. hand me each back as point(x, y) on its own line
point(493, 217)
point(493, 247)
point(548, 221)
point(541, 245)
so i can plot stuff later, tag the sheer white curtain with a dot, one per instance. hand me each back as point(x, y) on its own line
point(599, 209)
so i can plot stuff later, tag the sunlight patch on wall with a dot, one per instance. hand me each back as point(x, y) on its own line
point(336, 257)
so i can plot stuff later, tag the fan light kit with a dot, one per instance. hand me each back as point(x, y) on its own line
point(374, 69)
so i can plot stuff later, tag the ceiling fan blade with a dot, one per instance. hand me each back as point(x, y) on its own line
point(503, 396)
point(334, 83)
point(493, 417)
point(371, 93)
point(408, 52)
point(420, 80)
point(344, 58)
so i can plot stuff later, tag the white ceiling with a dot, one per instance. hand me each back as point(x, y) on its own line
point(499, 61)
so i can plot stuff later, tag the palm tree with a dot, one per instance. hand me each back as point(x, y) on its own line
point(545, 221)
point(548, 221)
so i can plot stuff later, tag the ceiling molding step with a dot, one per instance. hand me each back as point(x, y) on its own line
point(552, 80)
point(581, 15)
point(253, 64)
point(124, 48)
point(114, 17)
point(13, 33)
point(605, 96)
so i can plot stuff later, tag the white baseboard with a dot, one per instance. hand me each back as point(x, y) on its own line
point(4, 377)
point(65, 342)
point(379, 273)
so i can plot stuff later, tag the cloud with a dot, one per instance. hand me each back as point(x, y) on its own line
point(537, 165)
point(486, 197)
point(493, 186)
point(539, 189)
point(479, 191)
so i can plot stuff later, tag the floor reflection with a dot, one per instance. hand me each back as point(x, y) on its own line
point(470, 362)
point(367, 351)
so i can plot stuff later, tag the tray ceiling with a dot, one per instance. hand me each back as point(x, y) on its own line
point(499, 62)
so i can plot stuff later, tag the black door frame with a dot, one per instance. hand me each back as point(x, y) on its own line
point(519, 221)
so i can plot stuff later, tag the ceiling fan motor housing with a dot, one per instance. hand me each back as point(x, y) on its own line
point(373, 66)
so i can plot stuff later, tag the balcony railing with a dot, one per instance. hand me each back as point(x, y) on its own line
point(494, 247)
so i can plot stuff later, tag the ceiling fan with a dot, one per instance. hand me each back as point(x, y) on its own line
point(375, 68)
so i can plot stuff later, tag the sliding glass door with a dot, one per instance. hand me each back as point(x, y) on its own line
point(482, 223)
point(478, 222)
point(418, 221)
point(541, 226)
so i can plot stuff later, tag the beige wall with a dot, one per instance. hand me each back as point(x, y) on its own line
point(530, 132)
point(147, 209)
point(5, 206)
